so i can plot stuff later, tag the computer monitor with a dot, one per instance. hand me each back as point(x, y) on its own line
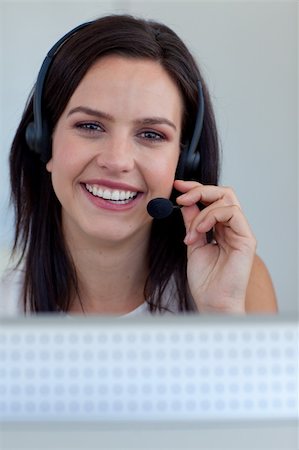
point(169, 376)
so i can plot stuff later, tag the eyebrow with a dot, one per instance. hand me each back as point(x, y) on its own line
point(103, 115)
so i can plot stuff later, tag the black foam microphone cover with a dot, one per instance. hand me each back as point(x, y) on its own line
point(160, 208)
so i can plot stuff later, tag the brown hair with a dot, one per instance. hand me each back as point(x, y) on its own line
point(50, 276)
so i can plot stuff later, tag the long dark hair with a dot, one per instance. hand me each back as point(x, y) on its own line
point(50, 276)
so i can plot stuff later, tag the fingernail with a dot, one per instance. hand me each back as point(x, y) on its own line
point(190, 236)
point(187, 238)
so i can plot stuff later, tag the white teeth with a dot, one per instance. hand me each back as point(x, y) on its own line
point(113, 194)
point(106, 195)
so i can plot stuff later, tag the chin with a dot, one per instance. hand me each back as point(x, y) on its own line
point(107, 236)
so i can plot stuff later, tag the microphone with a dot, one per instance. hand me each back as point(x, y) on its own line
point(160, 208)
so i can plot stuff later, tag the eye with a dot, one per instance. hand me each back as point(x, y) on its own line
point(90, 127)
point(150, 135)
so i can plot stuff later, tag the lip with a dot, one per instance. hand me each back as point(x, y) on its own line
point(101, 203)
point(112, 185)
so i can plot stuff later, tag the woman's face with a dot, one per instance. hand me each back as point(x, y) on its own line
point(115, 147)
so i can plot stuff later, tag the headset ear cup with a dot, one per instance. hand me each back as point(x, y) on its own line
point(188, 165)
point(39, 141)
point(45, 143)
point(181, 166)
point(30, 136)
point(189, 161)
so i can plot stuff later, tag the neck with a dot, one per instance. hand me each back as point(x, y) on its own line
point(111, 278)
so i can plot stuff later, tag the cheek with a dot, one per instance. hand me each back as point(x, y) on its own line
point(63, 168)
point(161, 173)
point(66, 157)
point(169, 164)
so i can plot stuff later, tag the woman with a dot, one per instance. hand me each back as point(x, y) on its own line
point(116, 102)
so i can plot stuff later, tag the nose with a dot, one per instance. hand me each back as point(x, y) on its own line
point(117, 154)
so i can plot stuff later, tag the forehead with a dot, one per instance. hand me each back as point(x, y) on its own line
point(126, 65)
point(117, 78)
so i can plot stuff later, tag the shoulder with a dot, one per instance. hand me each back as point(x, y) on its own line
point(11, 283)
point(260, 295)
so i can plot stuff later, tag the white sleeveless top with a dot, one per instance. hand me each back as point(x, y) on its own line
point(11, 304)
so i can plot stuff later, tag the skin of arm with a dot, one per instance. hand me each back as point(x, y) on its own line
point(260, 294)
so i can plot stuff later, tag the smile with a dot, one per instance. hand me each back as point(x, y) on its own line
point(114, 195)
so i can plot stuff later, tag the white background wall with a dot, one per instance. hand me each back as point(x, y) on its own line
point(248, 53)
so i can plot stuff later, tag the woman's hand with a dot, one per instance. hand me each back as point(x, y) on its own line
point(218, 272)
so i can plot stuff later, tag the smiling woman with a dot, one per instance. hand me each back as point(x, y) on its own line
point(109, 127)
point(117, 149)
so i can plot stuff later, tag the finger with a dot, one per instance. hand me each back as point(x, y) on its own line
point(226, 216)
point(185, 186)
point(207, 210)
point(189, 214)
point(200, 240)
point(230, 216)
point(207, 194)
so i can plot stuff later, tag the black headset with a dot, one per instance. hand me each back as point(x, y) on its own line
point(38, 136)
point(188, 165)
